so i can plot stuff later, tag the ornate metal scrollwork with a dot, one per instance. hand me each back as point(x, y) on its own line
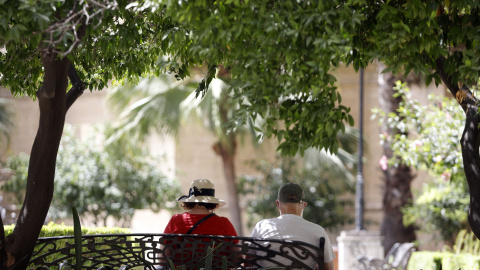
point(152, 250)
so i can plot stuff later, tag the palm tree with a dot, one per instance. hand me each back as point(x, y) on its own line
point(160, 103)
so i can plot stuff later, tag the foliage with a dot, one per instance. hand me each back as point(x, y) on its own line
point(465, 243)
point(161, 104)
point(79, 263)
point(53, 229)
point(6, 120)
point(280, 56)
point(16, 185)
point(77, 230)
point(433, 146)
point(442, 260)
point(100, 183)
point(324, 191)
point(121, 39)
point(151, 105)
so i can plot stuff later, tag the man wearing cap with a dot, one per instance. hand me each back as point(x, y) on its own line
point(290, 225)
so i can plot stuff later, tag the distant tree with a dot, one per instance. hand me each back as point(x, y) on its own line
point(432, 145)
point(397, 191)
point(327, 180)
point(100, 183)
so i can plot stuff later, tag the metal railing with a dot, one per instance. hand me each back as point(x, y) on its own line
point(151, 250)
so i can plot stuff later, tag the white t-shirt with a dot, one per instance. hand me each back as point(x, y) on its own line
point(296, 228)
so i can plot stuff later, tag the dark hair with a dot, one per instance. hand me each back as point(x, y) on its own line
point(190, 205)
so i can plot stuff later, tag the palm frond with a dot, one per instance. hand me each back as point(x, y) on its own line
point(152, 106)
point(6, 120)
point(331, 164)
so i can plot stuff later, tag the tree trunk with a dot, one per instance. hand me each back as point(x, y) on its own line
point(41, 170)
point(397, 192)
point(54, 101)
point(228, 159)
point(470, 142)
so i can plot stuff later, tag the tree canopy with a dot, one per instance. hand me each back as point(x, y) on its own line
point(280, 54)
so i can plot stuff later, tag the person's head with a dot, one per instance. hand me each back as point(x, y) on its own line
point(201, 194)
point(291, 199)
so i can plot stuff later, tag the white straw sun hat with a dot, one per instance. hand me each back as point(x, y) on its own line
point(202, 191)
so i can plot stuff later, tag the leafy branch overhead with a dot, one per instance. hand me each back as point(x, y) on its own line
point(281, 77)
point(280, 56)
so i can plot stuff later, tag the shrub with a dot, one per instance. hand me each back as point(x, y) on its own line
point(53, 229)
point(323, 192)
point(442, 260)
point(101, 182)
point(442, 204)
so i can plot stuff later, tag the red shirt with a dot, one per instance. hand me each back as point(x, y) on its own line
point(215, 225)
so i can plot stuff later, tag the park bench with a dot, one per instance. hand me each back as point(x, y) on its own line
point(148, 251)
point(396, 258)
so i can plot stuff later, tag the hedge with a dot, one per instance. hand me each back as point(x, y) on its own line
point(427, 260)
point(53, 229)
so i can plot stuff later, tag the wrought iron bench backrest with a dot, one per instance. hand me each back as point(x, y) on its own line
point(150, 250)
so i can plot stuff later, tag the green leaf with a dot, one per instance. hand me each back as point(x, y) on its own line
point(351, 121)
point(78, 239)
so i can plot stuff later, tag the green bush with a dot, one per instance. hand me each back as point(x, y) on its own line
point(53, 229)
point(323, 192)
point(428, 260)
point(442, 203)
point(100, 182)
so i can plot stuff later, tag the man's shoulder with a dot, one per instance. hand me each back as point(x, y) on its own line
point(268, 220)
point(300, 222)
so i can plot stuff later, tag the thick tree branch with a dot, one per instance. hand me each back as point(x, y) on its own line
point(3, 255)
point(470, 143)
point(461, 96)
point(77, 86)
point(19, 245)
point(471, 161)
point(78, 17)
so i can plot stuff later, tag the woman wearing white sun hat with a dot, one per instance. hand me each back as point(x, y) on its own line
point(198, 217)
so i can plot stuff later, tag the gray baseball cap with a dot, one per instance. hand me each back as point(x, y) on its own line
point(291, 193)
